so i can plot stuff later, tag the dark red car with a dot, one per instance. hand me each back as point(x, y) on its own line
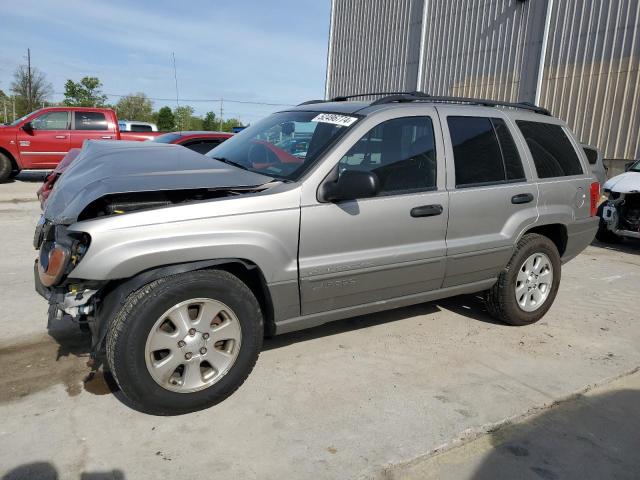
point(200, 142)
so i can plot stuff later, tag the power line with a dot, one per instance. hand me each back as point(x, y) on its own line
point(203, 100)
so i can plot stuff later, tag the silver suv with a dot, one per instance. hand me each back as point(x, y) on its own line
point(180, 263)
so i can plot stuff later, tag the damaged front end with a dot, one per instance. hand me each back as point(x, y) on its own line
point(115, 179)
point(59, 253)
point(621, 214)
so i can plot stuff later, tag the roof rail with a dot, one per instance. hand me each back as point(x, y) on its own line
point(424, 97)
point(344, 98)
point(310, 102)
point(399, 97)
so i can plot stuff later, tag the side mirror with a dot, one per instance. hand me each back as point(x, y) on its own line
point(351, 185)
point(28, 127)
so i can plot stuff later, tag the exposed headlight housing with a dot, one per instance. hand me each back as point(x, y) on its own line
point(53, 262)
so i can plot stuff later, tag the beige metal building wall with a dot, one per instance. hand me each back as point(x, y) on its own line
point(591, 75)
point(578, 58)
point(374, 46)
point(486, 49)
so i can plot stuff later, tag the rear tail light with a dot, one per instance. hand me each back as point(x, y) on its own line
point(595, 196)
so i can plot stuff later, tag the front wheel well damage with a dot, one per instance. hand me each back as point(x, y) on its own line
point(115, 293)
point(556, 232)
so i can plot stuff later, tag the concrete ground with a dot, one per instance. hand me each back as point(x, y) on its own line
point(371, 397)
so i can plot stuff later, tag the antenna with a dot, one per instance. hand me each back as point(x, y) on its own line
point(175, 77)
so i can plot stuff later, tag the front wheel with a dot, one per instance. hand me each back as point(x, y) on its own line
point(528, 285)
point(185, 342)
point(6, 168)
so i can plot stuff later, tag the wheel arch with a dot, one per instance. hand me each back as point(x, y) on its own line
point(556, 232)
point(12, 158)
point(115, 292)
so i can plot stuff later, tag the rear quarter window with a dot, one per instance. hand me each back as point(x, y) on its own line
point(552, 151)
point(592, 155)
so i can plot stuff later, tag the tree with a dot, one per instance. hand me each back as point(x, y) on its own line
point(136, 106)
point(165, 119)
point(86, 93)
point(40, 89)
point(228, 124)
point(209, 122)
point(183, 116)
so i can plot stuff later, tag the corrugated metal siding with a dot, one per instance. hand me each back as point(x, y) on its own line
point(592, 73)
point(492, 49)
point(375, 46)
point(483, 48)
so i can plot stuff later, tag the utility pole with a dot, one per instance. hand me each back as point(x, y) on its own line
point(4, 104)
point(221, 100)
point(13, 99)
point(29, 95)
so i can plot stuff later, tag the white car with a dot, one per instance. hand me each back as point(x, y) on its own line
point(620, 213)
point(133, 126)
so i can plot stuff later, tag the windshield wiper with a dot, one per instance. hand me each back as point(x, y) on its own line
point(231, 162)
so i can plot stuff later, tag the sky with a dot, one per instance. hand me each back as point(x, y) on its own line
point(249, 50)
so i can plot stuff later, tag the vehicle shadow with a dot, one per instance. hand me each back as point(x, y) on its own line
point(589, 437)
point(349, 324)
point(627, 245)
point(32, 176)
point(470, 306)
point(47, 471)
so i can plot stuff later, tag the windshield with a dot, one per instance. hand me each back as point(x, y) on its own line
point(635, 167)
point(166, 138)
point(284, 145)
point(16, 122)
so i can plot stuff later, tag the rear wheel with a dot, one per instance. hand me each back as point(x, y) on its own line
point(185, 342)
point(6, 168)
point(528, 285)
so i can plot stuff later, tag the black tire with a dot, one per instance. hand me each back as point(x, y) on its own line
point(501, 300)
point(129, 329)
point(603, 234)
point(6, 168)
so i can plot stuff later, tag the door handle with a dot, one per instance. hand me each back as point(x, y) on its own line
point(426, 211)
point(522, 198)
point(107, 137)
point(61, 137)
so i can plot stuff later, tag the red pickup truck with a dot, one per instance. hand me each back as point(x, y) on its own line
point(42, 138)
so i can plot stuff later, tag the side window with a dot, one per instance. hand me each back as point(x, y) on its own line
point(552, 152)
point(51, 121)
point(592, 155)
point(484, 152)
point(202, 146)
point(401, 152)
point(136, 127)
point(90, 121)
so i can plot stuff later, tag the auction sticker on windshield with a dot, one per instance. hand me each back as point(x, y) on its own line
point(343, 120)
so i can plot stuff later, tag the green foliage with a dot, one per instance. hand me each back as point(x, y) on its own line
point(135, 106)
point(165, 119)
point(183, 115)
point(228, 124)
point(209, 122)
point(86, 93)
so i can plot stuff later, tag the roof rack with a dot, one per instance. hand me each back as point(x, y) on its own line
point(423, 97)
point(399, 97)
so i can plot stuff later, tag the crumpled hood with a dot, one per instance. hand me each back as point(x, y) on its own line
point(108, 167)
point(628, 182)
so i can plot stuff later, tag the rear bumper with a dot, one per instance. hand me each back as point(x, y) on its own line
point(580, 234)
